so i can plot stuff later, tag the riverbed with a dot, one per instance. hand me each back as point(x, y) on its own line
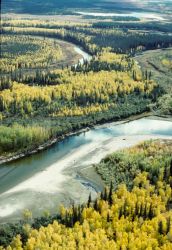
point(63, 173)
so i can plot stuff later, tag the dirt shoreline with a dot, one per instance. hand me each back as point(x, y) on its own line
point(51, 142)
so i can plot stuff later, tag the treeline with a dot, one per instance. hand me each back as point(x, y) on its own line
point(151, 26)
point(138, 218)
point(42, 24)
point(114, 18)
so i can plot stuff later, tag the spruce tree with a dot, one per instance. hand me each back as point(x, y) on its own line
point(168, 225)
point(110, 194)
point(160, 228)
point(108, 217)
point(89, 200)
point(171, 167)
point(150, 214)
point(165, 173)
point(96, 205)
point(105, 196)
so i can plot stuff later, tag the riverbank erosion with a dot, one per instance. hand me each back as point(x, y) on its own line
point(64, 172)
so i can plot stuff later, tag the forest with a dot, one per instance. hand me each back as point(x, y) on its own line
point(110, 86)
point(92, 39)
point(155, 26)
point(133, 212)
point(24, 52)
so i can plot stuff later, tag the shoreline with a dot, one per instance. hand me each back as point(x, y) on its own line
point(51, 142)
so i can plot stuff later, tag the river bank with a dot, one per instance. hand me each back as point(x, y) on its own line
point(51, 142)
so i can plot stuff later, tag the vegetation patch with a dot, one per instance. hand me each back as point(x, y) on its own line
point(25, 52)
point(125, 165)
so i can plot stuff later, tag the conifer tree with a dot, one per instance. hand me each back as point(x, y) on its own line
point(110, 194)
point(89, 200)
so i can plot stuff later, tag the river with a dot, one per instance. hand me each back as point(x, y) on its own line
point(62, 173)
point(145, 15)
point(85, 55)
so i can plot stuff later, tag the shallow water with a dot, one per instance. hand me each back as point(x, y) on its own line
point(132, 14)
point(85, 55)
point(44, 180)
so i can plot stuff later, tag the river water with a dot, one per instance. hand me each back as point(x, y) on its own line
point(85, 55)
point(47, 179)
point(145, 15)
